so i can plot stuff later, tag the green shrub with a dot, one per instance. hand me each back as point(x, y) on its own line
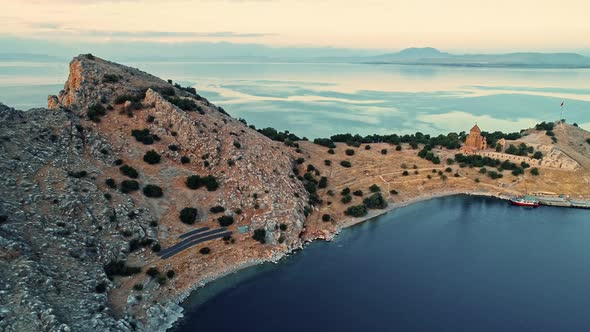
point(345, 163)
point(358, 193)
point(120, 268)
point(187, 105)
point(217, 209)
point(374, 188)
point(152, 191)
point(205, 251)
point(123, 98)
point(129, 171)
point(349, 152)
point(196, 182)
point(95, 112)
point(128, 186)
point(151, 157)
point(538, 155)
point(375, 201)
point(161, 280)
point(356, 211)
point(383, 151)
point(346, 199)
point(238, 211)
point(185, 160)
point(78, 175)
point(393, 192)
point(156, 247)
point(170, 274)
point(237, 144)
point(327, 162)
point(188, 215)
point(535, 171)
point(110, 78)
point(260, 235)
point(101, 287)
point(331, 151)
point(225, 221)
point(405, 173)
point(448, 170)
point(325, 142)
point(345, 191)
point(150, 118)
point(398, 148)
point(367, 147)
point(138, 287)
point(323, 182)
point(327, 217)
point(300, 160)
point(283, 227)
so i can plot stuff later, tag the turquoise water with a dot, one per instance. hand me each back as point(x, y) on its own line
point(317, 100)
point(451, 264)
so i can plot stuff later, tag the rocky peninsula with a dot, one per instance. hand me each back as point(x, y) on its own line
point(128, 192)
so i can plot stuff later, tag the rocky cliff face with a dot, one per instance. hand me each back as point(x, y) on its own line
point(76, 239)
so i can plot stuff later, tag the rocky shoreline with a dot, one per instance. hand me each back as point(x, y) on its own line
point(162, 321)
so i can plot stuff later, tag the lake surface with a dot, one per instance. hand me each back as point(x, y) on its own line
point(452, 264)
point(318, 100)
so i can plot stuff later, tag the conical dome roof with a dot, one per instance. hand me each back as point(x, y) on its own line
point(475, 129)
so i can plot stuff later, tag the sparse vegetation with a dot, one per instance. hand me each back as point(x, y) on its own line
point(217, 209)
point(345, 163)
point(95, 112)
point(349, 152)
point(260, 235)
point(120, 268)
point(151, 157)
point(128, 186)
point(375, 201)
point(535, 171)
point(205, 251)
point(326, 217)
point(196, 182)
point(152, 191)
point(188, 215)
point(129, 171)
point(185, 160)
point(374, 188)
point(356, 211)
point(225, 221)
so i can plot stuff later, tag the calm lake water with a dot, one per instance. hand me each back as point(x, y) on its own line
point(451, 264)
point(318, 100)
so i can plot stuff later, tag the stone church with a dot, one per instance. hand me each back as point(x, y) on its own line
point(475, 142)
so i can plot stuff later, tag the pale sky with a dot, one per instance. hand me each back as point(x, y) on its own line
point(498, 25)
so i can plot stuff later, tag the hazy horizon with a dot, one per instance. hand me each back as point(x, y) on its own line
point(310, 29)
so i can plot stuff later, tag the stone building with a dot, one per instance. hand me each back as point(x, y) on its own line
point(475, 142)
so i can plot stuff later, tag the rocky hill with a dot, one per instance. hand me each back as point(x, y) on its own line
point(120, 167)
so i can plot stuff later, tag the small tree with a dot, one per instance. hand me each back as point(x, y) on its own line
point(188, 215)
point(111, 183)
point(323, 182)
point(205, 251)
point(217, 209)
point(129, 171)
point(349, 152)
point(345, 163)
point(152, 191)
point(383, 151)
point(260, 235)
point(356, 211)
point(225, 221)
point(151, 157)
point(128, 186)
point(374, 188)
point(327, 217)
point(535, 171)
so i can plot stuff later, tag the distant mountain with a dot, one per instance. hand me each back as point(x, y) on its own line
point(432, 56)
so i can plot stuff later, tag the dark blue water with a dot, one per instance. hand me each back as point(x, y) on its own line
point(451, 264)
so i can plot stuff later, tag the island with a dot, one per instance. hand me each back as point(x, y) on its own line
point(128, 192)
